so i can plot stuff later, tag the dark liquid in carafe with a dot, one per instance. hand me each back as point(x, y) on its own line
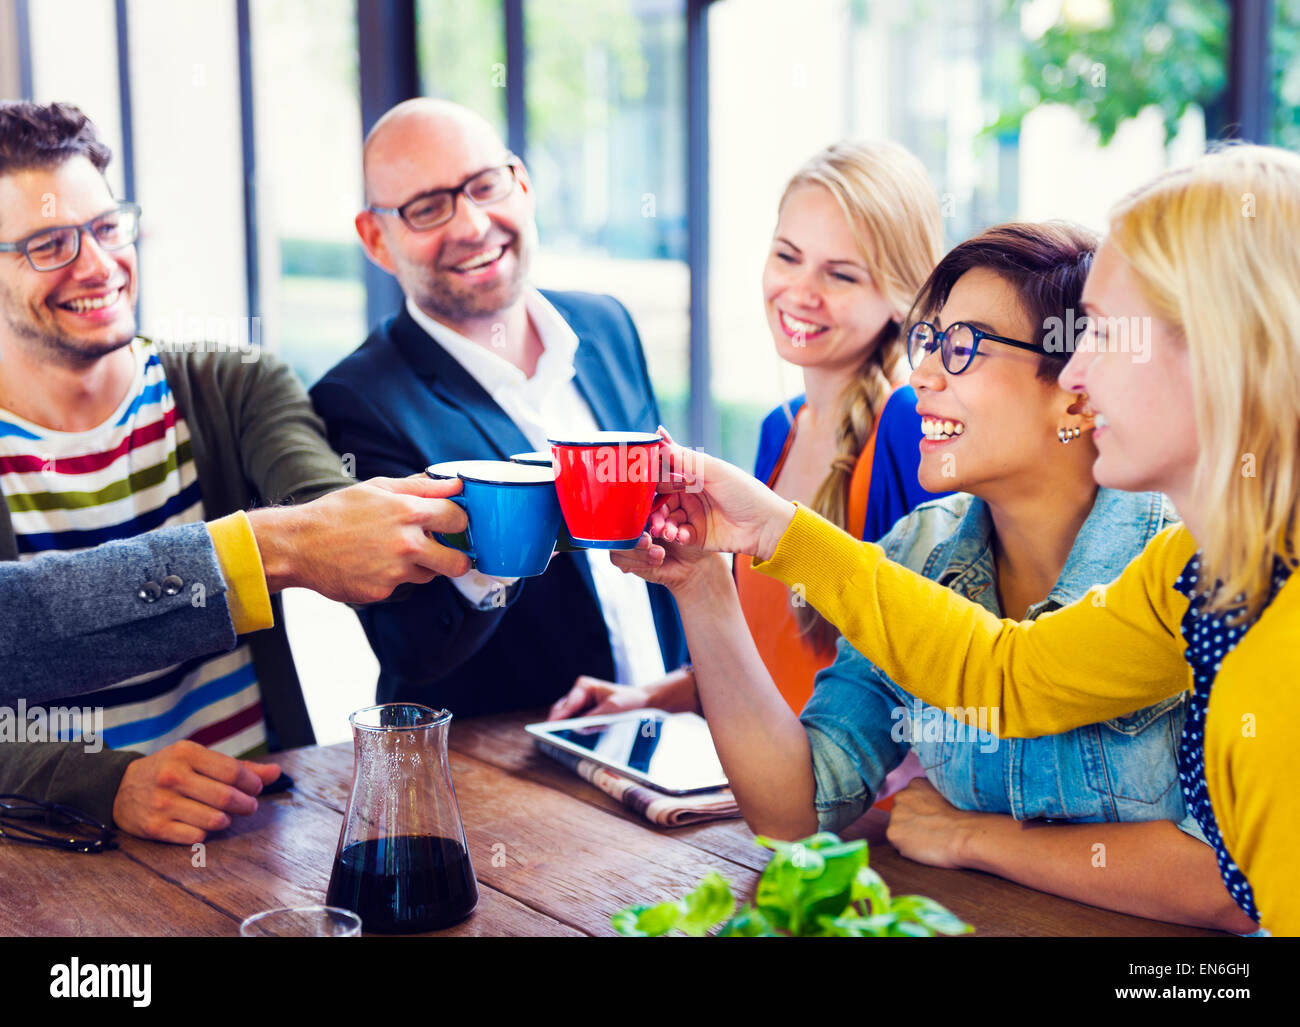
point(404, 884)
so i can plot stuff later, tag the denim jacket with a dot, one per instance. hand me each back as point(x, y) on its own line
point(860, 724)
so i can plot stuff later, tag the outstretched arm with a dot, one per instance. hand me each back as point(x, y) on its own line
point(75, 622)
point(448, 615)
point(1114, 651)
point(1151, 869)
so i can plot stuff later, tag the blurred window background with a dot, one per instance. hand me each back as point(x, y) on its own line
point(659, 135)
point(238, 126)
point(1027, 110)
point(307, 118)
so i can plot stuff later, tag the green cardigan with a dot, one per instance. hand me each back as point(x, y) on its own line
point(256, 442)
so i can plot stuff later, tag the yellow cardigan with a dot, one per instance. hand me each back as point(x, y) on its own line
point(1115, 650)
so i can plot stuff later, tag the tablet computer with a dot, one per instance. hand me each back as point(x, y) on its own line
point(672, 752)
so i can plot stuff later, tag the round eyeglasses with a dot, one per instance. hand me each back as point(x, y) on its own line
point(957, 345)
point(438, 206)
point(53, 248)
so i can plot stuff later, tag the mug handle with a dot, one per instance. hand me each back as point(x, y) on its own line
point(446, 540)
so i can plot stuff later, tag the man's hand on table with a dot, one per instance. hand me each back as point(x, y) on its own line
point(182, 792)
point(358, 544)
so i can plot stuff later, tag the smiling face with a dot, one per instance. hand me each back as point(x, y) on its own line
point(473, 267)
point(822, 307)
point(77, 313)
point(1142, 394)
point(999, 418)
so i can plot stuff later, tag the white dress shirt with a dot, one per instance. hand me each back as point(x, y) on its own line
point(545, 405)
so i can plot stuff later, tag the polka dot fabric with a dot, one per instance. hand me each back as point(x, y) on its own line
point(1209, 639)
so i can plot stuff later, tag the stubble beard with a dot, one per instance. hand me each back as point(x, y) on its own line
point(449, 301)
point(50, 347)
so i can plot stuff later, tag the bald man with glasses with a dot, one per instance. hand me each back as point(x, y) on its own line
point(479, 364)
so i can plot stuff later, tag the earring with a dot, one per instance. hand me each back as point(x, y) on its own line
point(1067, 435)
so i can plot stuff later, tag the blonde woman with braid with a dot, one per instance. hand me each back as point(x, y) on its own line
point(858, 230)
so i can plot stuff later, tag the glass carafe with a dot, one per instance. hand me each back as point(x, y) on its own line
point(402, 863)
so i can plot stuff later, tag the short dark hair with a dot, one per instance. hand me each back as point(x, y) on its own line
point(1045, 262)
point(36, 135)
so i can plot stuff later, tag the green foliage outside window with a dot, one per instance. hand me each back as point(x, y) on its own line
point(1111, 59)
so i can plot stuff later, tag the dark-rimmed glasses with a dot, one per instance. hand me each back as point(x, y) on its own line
point(37, 822)
point(957, 345)
point(438, 206)
point(53, 248)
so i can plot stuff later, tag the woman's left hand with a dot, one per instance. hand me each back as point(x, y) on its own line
point(926, 827)
point(681, 569)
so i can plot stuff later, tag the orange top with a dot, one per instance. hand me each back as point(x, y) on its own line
point(767, 604)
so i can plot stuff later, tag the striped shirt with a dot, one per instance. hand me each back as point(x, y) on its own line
point(133, 473)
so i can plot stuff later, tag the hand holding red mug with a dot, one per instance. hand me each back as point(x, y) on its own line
point(684, 570)
point(707, 503)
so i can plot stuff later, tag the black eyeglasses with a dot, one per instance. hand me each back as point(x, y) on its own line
point(438, 206)
point(53, 248)
point(36, 822)
point(957, 345)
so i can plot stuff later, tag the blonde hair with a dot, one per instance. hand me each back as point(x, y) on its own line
point(893, 212)
point(1214, 247)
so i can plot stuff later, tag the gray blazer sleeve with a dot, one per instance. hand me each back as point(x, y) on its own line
point(74, 622)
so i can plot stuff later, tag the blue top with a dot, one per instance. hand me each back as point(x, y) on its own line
point(860, 724)
point(893, 489)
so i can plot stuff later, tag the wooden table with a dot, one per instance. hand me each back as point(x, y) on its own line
point(553, 856)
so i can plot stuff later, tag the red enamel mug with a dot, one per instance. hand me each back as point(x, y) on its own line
point(606, 483)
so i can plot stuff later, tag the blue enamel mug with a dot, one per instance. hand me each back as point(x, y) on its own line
point(514, 515)
point(565, 543)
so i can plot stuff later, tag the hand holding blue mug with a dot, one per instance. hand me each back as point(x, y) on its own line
point(514, 515)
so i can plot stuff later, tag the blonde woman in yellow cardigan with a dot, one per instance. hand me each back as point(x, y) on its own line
point(1191, 364)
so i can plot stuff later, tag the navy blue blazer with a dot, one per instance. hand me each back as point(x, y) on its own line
point(401, 402)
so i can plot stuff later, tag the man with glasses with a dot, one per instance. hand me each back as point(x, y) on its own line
point(104, 438)
point(479, 364)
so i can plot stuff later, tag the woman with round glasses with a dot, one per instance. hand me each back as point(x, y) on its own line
point(1029, 532)
point(1191, 365)
point(858, 229)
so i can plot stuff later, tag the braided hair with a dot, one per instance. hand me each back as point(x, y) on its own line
point(893, 212)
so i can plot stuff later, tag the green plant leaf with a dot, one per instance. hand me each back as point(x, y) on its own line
point(777, 894)
point(648, 921)
point(624, 921)
point(909, 929)
point(876, 926)
point(934, 917)
point(818, 886)
point(816, 842)
point(870, 887)
point(831, 927)
point(831, 891)
point(709, 904)
point(808, 879)
point(748, 923)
